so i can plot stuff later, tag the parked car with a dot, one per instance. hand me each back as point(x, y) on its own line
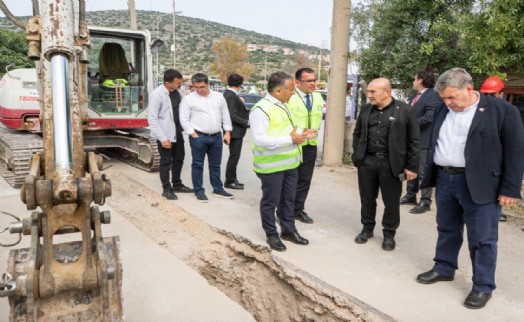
point(249, 99)
point(323, 93)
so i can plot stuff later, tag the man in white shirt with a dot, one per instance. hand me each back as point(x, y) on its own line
point(203, 115)
point(476, 163)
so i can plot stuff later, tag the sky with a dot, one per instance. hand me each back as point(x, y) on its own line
point(304, 21)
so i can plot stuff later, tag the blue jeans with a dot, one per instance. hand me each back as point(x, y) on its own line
point(212, 146)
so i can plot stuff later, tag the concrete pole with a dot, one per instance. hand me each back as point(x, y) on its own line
point(132, 15)
point(335, 118)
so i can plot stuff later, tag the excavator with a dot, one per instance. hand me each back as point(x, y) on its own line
point(69, 272)
point(117, 81)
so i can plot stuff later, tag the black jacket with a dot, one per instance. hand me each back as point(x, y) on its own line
point(494, 151)
point(238, 113)
point(403, 138)
point(425, 106)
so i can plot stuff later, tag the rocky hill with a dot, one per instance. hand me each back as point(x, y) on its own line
point(195, 37)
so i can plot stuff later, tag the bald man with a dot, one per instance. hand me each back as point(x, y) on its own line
point(385, 151)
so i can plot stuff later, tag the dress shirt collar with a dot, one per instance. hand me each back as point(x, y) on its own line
point(274, 100)
point(233, 90)
point(303, 95)
point(472, 107)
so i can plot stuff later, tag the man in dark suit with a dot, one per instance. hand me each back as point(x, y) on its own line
point(476, 161)
point(385, 150)
point(240, 120)
point(424, 103)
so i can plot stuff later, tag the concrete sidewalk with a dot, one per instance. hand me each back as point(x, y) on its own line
point(156, 285)
point(384, 280)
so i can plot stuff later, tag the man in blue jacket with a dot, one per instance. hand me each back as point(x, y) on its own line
point(476, 162)
point(425, 102)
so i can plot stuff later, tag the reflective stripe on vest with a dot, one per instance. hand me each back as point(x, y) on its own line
point(284, 157)
point(302, 117)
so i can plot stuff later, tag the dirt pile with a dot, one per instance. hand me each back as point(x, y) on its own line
point(270, 288)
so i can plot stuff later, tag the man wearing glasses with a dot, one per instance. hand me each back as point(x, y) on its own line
point(306, 107)
point(204, 115)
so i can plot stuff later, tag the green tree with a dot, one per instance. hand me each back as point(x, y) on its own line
point(13, 50)
point(495, 37)
point(231, 57)
point(397, 37)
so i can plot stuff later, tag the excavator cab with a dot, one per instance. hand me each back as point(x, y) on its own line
point(118, 72)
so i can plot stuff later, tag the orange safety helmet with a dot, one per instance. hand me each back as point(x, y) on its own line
point(492, 84)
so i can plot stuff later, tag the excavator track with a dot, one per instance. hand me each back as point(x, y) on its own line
point(136, 148)
point(16, 150)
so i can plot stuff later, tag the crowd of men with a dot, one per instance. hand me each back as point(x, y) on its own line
point(465, 144)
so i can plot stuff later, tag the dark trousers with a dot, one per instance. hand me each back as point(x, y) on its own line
point(167, 163)
point(212, 147)
point(235, 148)
point(374, 174)
point(278, 190)
point(454, 209)
point(178, 162)
point(305, 174)
point(412, 187)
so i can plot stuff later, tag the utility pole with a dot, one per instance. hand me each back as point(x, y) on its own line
point(132, 14)
point(173, 47)
point(335, 118)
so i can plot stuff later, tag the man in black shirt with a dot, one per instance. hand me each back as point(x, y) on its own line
point(180, 152)
point(386, 151)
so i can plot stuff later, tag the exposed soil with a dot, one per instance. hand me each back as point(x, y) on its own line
point(270, 288)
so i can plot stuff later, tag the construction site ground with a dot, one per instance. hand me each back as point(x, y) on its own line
point(190, 261)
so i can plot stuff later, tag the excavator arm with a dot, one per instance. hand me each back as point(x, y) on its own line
point(69, 271)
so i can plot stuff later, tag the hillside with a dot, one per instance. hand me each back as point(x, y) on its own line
point(194, 39)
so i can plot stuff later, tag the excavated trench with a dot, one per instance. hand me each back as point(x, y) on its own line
point(267, 286)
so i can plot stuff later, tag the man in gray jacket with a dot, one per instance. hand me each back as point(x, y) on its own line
point(163, 128)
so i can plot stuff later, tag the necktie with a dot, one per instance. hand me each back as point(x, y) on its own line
point(415, 99)
point(308, 103)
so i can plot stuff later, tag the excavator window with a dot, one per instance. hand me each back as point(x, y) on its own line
point(116, 75)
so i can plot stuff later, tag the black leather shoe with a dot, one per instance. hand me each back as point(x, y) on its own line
point(240, 184)
point(294, 237)
point(363, 237)
point(275, 243)
point(303, 217)
point(388, 243)
point(477, 300)
point(170, 195)
point(420, 209)
point(431, 277)
point(234, 185)
point(408, 200)
point(182, 189)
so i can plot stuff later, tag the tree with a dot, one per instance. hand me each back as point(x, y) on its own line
point(13, 50)
point(495, 37)
point(397, 37)
point(231, 57)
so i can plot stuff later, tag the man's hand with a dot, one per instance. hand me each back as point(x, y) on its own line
point(194, 135)
point(166, 144)
point(409, 175)
point(227, 137)
point(506, 201)
point(311, 134)
point(297, 136)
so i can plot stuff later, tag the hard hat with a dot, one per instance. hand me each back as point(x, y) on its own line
point(492, 84)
